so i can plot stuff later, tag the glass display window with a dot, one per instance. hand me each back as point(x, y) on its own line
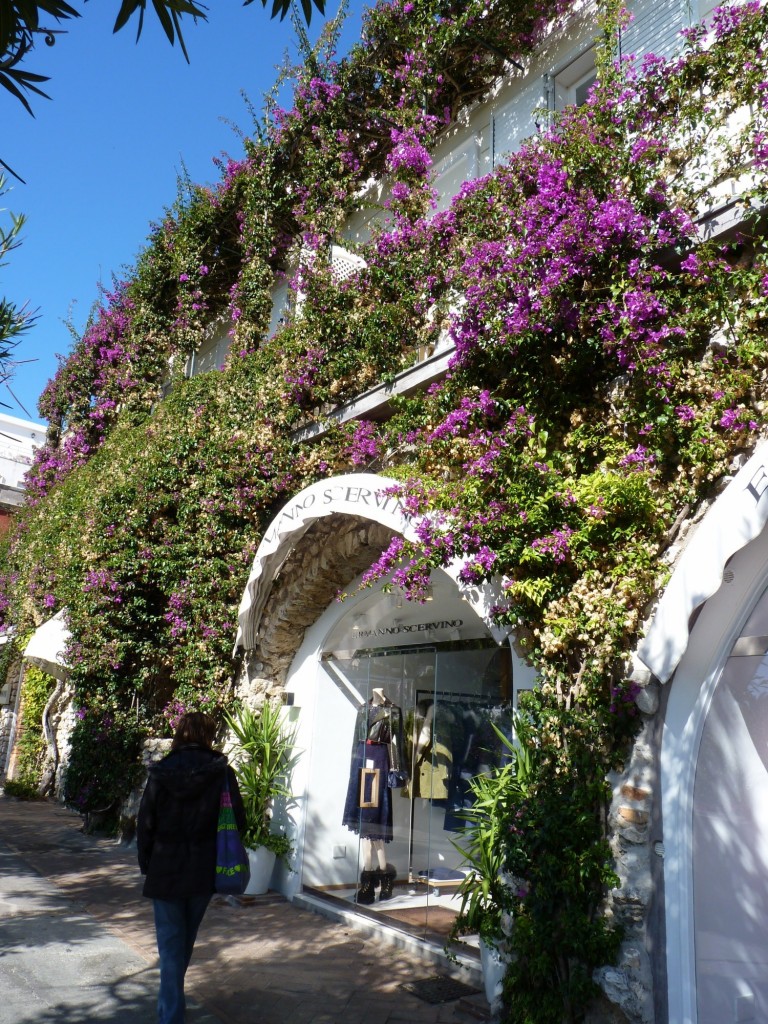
point(399, 731)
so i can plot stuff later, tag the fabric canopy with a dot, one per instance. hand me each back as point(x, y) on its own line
point(47, 645)
point(737, 517)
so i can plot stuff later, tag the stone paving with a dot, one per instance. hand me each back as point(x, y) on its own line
point(261, 960)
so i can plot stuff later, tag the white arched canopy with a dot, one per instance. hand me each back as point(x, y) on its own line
point(47, 646)
point(364, 495)
point(735, 519)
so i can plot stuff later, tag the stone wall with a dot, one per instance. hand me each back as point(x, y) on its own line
point(332, 553)
point(9, 694)
point(152, 751)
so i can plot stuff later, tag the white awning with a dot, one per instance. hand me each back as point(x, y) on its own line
point(736, 518)
point(47, 645)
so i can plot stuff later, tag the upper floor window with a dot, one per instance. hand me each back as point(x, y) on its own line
point(212, 351)
point(571, 84)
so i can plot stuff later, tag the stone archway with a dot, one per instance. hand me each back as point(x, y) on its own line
point(323, 538)
point(331, 553)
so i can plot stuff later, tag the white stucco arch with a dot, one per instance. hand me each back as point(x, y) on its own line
point(364, 495)
point(694, 658)
point(737, 517)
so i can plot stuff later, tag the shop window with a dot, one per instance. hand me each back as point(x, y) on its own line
point(399, 733)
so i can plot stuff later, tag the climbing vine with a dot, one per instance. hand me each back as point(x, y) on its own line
point(609, 366)
point(31, 747)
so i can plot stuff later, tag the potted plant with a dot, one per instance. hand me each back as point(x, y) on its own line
point(486, 891)
point(263, 759)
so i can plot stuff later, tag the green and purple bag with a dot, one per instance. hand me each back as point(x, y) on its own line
point(233, 871)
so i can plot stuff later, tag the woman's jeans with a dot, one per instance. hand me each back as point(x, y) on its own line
point(176, 924)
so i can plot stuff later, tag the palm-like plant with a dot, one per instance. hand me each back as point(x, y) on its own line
point(484, 892)
point(263, 760)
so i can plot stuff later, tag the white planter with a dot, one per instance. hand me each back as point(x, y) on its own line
point(261, 861)
point(494, 966)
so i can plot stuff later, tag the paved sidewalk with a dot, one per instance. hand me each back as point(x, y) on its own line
point(77, 944)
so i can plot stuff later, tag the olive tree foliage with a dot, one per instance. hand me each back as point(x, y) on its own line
point(24, 22)
point(14, 320)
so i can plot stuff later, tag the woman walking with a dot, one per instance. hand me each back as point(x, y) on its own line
point(176, 839)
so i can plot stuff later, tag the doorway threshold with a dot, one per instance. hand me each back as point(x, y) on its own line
point(466, 968)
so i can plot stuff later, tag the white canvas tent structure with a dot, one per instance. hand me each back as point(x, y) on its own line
point(47, 645)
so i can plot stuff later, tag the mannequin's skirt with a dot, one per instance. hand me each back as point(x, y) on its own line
point(369, 822)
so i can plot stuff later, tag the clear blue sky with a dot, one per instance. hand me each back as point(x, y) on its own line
point(100, 158)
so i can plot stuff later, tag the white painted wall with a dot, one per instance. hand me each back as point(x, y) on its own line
point(18, 441)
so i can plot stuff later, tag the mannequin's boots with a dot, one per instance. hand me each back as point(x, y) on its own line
point(366, 892)
point(387, 880)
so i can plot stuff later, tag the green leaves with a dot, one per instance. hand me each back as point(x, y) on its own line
point(169, 14)
point(282, 7)
point(264, 758)
point(20, 25)
point(15, 320)
point(485, 892)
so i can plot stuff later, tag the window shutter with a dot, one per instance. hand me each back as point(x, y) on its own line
point(655, 27)
point(344, 263)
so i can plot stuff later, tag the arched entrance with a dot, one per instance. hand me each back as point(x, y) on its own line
point(367, 802)
point(714, 763)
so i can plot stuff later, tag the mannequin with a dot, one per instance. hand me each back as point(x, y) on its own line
point(375, 767)
point(375, 847)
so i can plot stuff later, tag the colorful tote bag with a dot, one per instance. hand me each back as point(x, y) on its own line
point(232, 868)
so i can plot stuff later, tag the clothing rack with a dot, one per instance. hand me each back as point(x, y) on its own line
point(448, 697)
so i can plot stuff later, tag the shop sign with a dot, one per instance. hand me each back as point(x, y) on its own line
point(416, 627)
point(355, 494)
point(342, 496)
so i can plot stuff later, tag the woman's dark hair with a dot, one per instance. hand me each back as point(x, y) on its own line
point(194, 728)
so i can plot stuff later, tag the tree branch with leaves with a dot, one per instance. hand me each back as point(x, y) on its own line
point(24, 22)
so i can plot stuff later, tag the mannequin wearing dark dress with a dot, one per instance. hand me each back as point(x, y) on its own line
point(376, 758)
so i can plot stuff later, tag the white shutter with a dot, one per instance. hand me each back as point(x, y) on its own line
point(453, 170)
point(514, 120)
point(344, 263)
point(212, 351)
point(655, 28)
point(281, 304)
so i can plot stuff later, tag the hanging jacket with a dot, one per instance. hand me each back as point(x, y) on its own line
point(177, 821)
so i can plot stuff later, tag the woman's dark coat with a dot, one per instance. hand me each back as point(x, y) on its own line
point(176, 825)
